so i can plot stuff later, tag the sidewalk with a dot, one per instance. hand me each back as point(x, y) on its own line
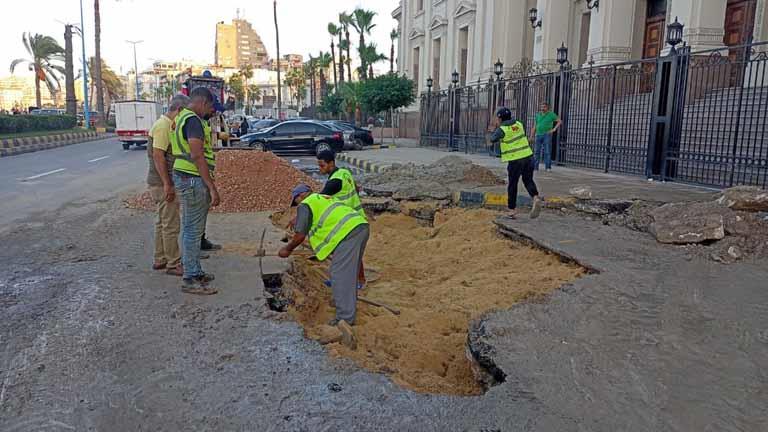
point(557, 182)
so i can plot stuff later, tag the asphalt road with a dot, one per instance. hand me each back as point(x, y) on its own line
point(46, 180)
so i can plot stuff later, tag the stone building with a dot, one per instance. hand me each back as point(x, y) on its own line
point(440, 36)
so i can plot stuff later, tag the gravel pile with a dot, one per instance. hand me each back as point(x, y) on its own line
point(248, 181)
point(435, 181)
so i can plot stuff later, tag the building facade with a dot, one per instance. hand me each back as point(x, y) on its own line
point(238, 45)
point(438, 37)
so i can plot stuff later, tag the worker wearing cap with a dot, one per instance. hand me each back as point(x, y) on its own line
point(337, 230)
point(517, 153)
point(341, 185)
point(193, 178)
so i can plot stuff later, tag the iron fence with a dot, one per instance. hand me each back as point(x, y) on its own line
point(696, 117)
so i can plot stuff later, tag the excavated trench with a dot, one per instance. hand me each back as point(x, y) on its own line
point(443, 275)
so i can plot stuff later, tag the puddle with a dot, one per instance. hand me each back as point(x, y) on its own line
point(441, 278)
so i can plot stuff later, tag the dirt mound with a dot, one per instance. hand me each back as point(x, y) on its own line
point(248, 181)
point(435, 181)
point(440, 278)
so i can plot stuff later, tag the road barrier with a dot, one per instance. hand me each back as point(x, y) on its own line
point(17, 146)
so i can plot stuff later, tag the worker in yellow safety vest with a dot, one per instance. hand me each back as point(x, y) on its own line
point(341, 185)
point(336, 230)
point(193, 178)
point(517, 153)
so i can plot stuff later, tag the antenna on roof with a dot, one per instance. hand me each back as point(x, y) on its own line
point(238, 13)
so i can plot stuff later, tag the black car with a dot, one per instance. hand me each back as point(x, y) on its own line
point(295, 138)
point(360, 137)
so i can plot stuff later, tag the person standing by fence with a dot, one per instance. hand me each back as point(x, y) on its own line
point(546, 124)
point(516, 152)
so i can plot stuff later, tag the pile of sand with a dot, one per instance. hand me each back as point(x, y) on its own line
point(248, 181)
point(440, 278)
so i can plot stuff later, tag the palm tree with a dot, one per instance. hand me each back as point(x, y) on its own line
point(69, 71)
point(110, 82)
point(393, 35)
point(370, 56)
point(43, 51)
point(362, 21)
point(323, 62)
point(346, 20)
point(277, 40)
point(333, 30)
point(341, 55)
point(97, 64)
point(344, 45)
point(247, 73)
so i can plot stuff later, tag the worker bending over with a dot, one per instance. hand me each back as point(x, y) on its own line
point(341, 185)
point(517, 153)
point(333, 229)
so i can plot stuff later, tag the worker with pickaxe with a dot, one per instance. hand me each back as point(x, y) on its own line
point(333, 229)
point(341, 185)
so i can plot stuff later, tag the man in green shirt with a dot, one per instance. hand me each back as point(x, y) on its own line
point(547, 123)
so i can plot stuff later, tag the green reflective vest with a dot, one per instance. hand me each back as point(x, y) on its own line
point(181, 149)
point(514, 145)
point(348, 193)
point(332, 222)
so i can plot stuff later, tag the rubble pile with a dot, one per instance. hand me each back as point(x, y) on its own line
point(248, 181)
point(429, 182)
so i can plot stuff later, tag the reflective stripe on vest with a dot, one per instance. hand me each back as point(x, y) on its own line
point(348, 193)
point(181, 149)
point(515, 144)
point(332, 221)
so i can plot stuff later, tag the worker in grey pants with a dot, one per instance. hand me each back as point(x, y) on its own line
point(345, 233)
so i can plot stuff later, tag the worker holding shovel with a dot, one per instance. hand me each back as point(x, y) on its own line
point(337, 230)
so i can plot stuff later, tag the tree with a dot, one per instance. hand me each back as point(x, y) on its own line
point(346, 20)
point(43, 52)
point(332, 104)
point(97, 64)
point(386, 92)
point(110, 82)
point(277, 40)
point(393, 35)
point(345, 60)
point(351, 94)
point(362, 21)
point(236, 87)
point(334, 31)
point(247, 73)
point(323, 63)
point(69, 71)
point(370, 56)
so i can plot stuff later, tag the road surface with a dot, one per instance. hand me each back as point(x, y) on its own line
point(46, 180)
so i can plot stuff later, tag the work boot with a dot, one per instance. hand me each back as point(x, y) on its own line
point(206, 245)
point(195, 287)
point(206, 278)
point(536, 208)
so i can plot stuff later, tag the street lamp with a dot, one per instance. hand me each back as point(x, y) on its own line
point(533, 15)
point(455, 77)
point(674, 34)
point(498, 69)
point(135, 66)
point(562, 55)
point(430, 81)
point(593, 4)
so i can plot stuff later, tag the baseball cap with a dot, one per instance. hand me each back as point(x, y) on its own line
point(218, 105)
point(298, 190)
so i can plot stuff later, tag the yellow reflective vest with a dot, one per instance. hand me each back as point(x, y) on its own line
point(514, 145)
point(348, 193)
point(332, 222)
point(181, 149)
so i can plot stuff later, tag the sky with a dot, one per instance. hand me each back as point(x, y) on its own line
point(176, 29)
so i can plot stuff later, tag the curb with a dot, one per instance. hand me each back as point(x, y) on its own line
point(364, 165)
point(17, 146)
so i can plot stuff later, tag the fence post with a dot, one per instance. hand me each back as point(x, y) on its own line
point(610, 120)
point(742, 83)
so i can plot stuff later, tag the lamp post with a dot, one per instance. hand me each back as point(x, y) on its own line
point(86, 111)
point(674, 35)
point(430, 81)
point(562, 56)
point(455, 77)
point(498, 69)
point(593, 4)
point(135, 66)
point(533, 15)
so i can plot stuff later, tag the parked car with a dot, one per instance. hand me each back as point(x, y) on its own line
point(295, 137)
point(358, 137)
point(257, 125)
point(48, 111)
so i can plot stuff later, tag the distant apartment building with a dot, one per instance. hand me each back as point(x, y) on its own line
point(238, 45)
point(287, 62)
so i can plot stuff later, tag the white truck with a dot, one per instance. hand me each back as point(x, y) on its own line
point(134, 119)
